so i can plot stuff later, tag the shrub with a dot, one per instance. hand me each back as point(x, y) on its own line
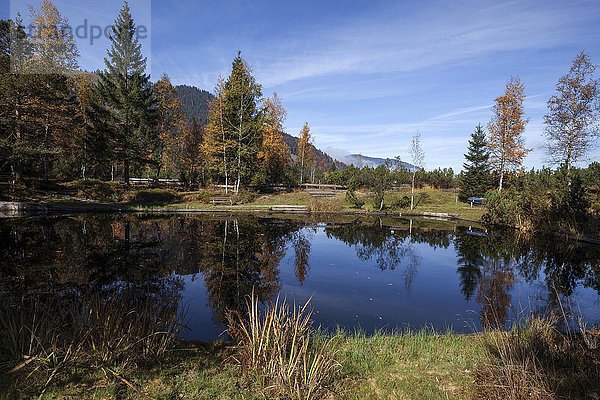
point(353, 199)
point(538, 361)
point(95, 189)
point(506, 208)
point(400, 202)
point(154, 197)
point(276, 348)
point(244, 196)
point(541, 202)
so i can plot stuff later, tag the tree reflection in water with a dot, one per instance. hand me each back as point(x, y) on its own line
point(62, 257)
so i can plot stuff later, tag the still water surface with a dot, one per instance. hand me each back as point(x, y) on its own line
point(366, 273)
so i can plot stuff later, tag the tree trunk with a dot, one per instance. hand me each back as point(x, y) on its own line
point(302, 166)
point(412, 190)
point(84, 161)
point(46, 128)
point(126, 171)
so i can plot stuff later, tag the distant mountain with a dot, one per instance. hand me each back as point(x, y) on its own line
point(358, 160)
point(323, 160)
point(195, 101)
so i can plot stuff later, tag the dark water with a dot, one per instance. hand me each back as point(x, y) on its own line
point(361, 273)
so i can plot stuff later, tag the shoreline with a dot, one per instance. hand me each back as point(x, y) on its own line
point(23, 209)
point(19, 209)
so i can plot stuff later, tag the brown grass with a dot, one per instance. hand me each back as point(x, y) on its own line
point(277, 349)
point(327, 204)
point(43, 340)
point(538, 361)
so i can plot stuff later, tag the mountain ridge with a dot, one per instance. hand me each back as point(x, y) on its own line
point(360, 160)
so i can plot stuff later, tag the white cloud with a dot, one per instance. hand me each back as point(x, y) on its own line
point(386, 43)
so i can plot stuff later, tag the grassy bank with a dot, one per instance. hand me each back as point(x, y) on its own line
point(103, 196)
point(427, 200)
point(421, 365)
point(275, 353)
point(411, 366)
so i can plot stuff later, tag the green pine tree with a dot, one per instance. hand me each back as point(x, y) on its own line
point(242, 120)
point(476, 179)
point(126, 94)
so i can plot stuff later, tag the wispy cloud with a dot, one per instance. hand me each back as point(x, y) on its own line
point(381, 43)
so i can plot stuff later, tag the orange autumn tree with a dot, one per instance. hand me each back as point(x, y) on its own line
point(171, 125)
point(505, 141)
point(274, 152)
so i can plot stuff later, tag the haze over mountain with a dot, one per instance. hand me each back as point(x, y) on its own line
point(360, 160)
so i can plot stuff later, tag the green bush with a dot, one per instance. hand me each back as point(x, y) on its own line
point(502, 207)
point(543, 202)
point(154, 197)
point(353, 199)
point(244, 196)
point(400, 202)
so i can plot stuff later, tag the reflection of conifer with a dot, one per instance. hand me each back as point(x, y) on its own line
point(302, 255)
point(470, 261)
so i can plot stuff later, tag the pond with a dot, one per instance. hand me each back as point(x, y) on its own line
point(361, 273)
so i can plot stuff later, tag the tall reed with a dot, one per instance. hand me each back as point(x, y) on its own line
point(278, 348)
point(110, 330)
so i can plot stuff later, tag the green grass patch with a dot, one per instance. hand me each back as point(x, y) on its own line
point(421, 365)
point(414, 365)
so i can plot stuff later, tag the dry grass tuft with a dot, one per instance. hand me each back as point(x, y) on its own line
point(278, 349)
point(327, 204)
point(106, 332)
point(538, 361)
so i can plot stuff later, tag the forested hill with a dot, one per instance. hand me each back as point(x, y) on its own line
point(195, 101)
point(323, 160)
point(359, 160)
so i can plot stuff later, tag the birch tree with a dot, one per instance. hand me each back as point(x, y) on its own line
point(305, 151)
point(572, 119)
point(417, 156)
point(274, 152)
point(217, 147)
point(171, 125)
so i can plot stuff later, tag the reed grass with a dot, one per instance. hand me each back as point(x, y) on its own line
point(42, 340)
point(277, 348)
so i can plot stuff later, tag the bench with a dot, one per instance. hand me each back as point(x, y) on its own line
point(321, 186)
point(221, 201)
point(284, 208)
point(477, 201)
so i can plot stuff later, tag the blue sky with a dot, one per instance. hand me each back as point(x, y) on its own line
point(367, 75)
